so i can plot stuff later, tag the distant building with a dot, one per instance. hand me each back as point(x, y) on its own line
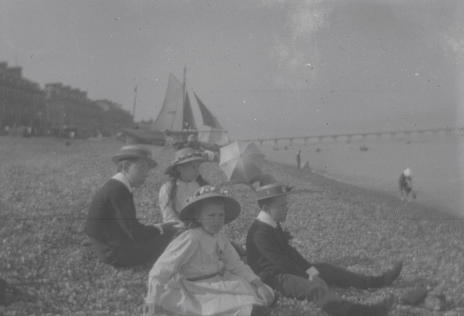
point(115, 118)
point(22, 102)
point(69, 109)
point(59, 109)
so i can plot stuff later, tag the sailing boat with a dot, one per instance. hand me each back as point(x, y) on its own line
point(176, 121)
point(212, 131)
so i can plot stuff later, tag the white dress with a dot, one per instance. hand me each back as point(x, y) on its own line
point(181, 281)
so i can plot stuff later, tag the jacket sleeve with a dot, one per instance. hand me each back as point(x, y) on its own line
point(166, 205)
point(266, 242)
point(124, 213)
point(121, 206)
point(299, 259)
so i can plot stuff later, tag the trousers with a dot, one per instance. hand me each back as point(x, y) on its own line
point(317, 290)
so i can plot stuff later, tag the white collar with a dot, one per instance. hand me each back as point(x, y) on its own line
point(265, 218)
point(122, 178)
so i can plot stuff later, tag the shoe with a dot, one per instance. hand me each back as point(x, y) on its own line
point(391, 275)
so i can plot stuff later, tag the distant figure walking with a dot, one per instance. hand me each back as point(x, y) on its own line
point(405, 185)
point(298, 159)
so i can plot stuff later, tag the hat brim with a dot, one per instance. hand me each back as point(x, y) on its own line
point(231, 207)
point(289, 191)
point(120, 157)
point(191, 159)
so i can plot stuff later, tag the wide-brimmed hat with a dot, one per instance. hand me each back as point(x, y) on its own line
point(134, 152)
point(272, 190)
point(231, 206)
point(185, 155)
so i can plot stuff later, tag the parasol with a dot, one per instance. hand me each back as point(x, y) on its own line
point(240, 162)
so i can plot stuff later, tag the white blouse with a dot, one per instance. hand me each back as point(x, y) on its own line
point(170, 209)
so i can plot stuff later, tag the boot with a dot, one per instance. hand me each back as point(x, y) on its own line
point(259, 310)
point(345, 308)
point(387, 278)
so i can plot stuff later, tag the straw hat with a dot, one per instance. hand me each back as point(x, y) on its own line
point(183, 156)
point(272, 190)
point(231, 206)
point(134, 152)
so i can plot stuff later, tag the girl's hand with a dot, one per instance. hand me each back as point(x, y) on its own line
point(263, 291)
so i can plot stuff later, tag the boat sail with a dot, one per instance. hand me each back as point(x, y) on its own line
point(212, 131)
point(176, 118)
point(176, 115)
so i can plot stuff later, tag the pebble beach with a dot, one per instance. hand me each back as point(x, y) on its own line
point(47, 185)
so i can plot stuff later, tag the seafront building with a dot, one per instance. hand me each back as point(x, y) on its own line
point(22, 102)
point(57, 109)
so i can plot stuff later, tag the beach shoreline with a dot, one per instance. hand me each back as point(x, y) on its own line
point(387, 195)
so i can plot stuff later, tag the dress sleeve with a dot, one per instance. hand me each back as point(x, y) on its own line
point(179, 251)
point(166, 206)
point(234, 264)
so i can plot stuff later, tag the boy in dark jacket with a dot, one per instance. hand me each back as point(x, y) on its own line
point(118, 238)
point(283, 268)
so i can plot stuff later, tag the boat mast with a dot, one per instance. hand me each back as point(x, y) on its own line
point(184, 96)
point(135, 101)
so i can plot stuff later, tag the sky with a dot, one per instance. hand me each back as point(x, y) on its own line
point(265, 68)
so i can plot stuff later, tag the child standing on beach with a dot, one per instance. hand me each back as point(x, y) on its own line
point(200, 273)
point(405, 185)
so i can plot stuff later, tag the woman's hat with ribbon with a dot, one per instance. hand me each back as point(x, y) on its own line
point(185, 155)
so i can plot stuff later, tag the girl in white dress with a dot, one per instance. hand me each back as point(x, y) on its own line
point(200, 273)
point(185, 179)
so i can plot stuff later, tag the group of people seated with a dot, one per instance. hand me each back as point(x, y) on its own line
point(195, 268)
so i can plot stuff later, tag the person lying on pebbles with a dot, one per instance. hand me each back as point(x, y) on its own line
point(283, 268)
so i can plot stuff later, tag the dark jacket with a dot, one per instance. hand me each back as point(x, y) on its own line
point(269, 252)
point(112, 219)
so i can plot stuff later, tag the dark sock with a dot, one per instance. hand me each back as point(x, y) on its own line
point(344, 308)
point(259, 310)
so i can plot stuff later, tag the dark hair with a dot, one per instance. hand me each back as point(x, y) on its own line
point(265, 202)
point(122, 165)
point(174, 175)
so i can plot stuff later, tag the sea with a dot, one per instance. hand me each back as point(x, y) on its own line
point(436, 161)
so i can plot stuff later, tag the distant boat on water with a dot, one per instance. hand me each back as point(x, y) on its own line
point(176, 121)
point(363, 148)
